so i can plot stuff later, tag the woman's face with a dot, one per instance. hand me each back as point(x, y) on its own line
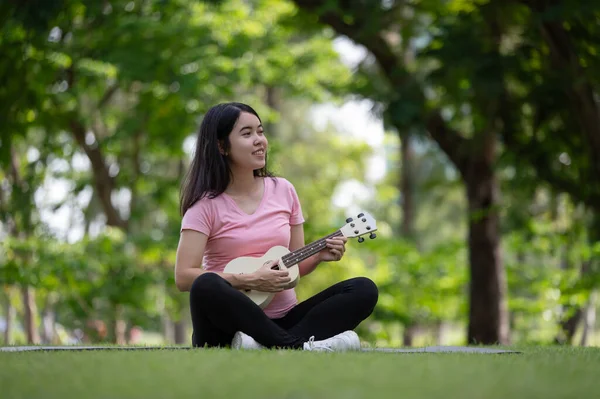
point(248, 144)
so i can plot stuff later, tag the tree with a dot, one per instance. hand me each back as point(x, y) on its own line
point(121, 85)
point(550, 113)
point(528, 78)
point(379, 27)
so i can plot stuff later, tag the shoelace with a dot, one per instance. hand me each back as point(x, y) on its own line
point(312, 346)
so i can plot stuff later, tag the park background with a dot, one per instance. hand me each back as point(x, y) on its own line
point(470, 129)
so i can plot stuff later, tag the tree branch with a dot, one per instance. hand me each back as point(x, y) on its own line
point(107, 96)
point(103, 182)
point(449, 140)
point(359, 32)
point(137, 144)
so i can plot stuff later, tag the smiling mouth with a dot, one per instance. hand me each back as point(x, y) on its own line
point(259, 152)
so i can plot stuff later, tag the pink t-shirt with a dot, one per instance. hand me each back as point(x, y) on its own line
point(233, 233)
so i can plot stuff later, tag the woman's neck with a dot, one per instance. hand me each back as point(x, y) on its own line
point(242, 184)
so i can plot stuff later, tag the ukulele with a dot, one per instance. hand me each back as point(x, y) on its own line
point(364, 224)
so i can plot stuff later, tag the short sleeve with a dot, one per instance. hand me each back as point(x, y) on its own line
point(296, 217)
point(198, 217)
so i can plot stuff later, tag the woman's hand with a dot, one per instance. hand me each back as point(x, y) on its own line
point(335, 249)
point(267, 279)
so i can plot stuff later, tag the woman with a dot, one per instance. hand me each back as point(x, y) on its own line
point(232, 206)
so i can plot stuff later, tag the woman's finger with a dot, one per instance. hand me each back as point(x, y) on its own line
point(336, 254)
point(339, 248)
point(337, 242)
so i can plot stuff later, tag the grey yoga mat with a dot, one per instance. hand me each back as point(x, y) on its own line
point(427, 349)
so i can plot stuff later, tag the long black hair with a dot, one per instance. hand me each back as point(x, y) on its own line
point(209, 173)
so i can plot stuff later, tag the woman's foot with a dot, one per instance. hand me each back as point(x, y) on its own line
point(346, 341)
point(244, 341)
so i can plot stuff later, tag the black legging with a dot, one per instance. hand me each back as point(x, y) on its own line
point(219, 311)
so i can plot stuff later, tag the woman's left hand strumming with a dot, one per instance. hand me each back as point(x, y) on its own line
point(335, 249)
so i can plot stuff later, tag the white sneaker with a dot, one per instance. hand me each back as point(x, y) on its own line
point(346, 341)
point(244, 341)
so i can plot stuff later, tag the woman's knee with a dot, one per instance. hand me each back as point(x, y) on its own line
point(367, 290)
point(207, 284)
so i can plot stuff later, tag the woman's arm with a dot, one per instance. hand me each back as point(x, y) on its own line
point(188, 263)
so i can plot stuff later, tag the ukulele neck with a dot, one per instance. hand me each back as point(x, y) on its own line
point(307, 251)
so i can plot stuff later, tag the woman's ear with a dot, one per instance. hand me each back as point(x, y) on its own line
point(221, 150)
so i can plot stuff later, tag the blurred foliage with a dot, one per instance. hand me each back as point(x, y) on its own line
point(527, 79)
point(102, 99)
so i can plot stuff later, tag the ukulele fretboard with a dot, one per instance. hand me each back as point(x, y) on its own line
point(307, 251)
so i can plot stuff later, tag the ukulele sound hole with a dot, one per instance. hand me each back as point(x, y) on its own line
point(276, 267)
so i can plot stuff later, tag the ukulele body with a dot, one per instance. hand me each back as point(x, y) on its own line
point(248, 264)
point(363, 224)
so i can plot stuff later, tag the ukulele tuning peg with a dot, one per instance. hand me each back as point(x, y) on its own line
point(360, 239)
point(348, 220)
point(372, 235)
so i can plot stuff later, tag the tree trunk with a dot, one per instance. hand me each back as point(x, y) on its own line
point(116, 331)
point(488, 313)
point(272, 100)
point(119, 326)
point(407, 193)
point(589, 320)
point(48, 320)
point(10, 314)
point(568, 326)
point(440, 332)
point(407, 187)
point(408, 336)
point(180, 322)
point(475, 159)
point(577, 314)
point(168, 328)
point(121, 332)
point(29, 313)
point(180, 331)
point(21, 232)
point(571, 315)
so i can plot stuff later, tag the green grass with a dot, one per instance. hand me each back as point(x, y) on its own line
point(537, 373)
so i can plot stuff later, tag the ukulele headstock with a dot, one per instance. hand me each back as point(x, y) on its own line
point(362, 224)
